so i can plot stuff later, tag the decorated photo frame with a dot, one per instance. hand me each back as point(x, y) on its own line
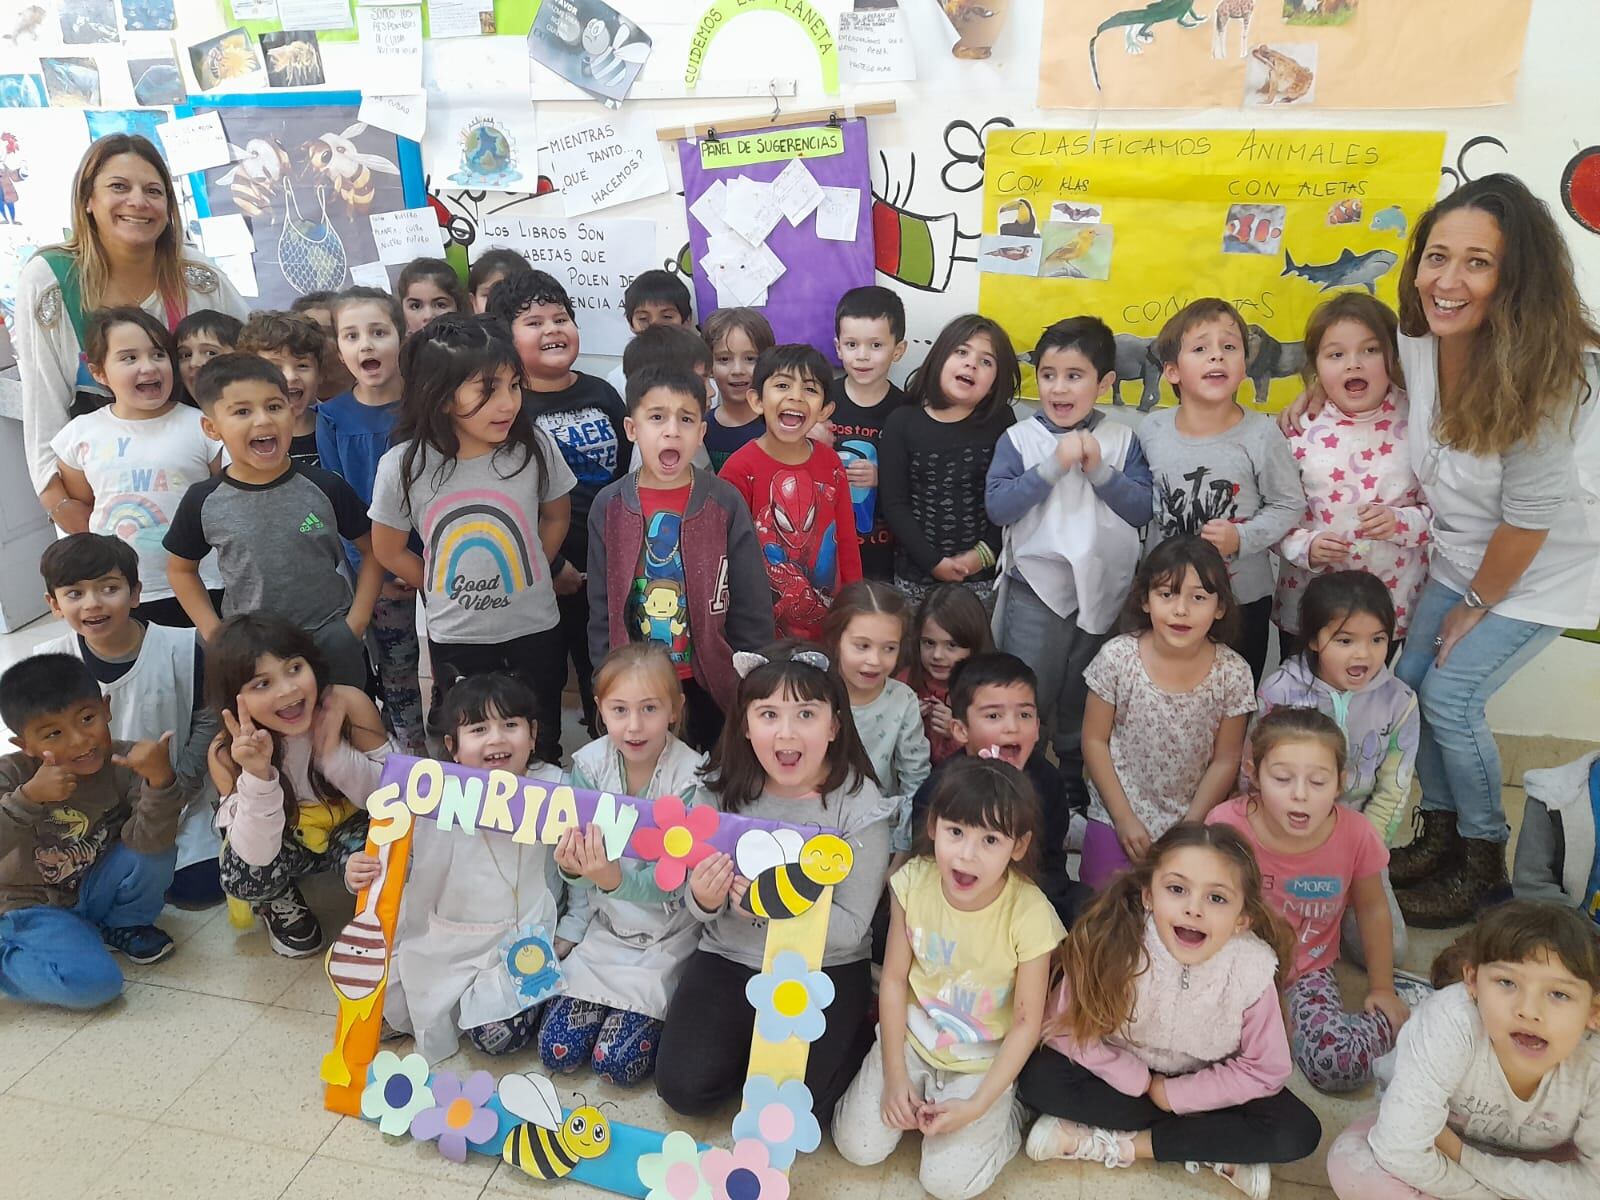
point(793, 870)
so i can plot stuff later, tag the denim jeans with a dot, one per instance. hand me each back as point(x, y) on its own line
point(1458, 763)
point(55, 955)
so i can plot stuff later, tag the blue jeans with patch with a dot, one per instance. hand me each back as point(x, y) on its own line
point(55, 955)
point(1458, 763)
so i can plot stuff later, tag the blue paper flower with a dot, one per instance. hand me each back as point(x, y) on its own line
point(780, 1116)
point(789, 999)
point(398, 1091)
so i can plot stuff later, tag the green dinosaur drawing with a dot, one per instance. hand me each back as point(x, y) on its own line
point(1136, 23)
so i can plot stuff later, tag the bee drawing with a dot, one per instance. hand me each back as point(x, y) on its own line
point(257, 173)
point(787, 876)
point(546, 1145)
point(334, 156)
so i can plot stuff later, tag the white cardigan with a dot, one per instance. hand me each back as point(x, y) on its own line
point(48, 353)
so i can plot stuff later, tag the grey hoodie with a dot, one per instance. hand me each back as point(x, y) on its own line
point(1555, 849)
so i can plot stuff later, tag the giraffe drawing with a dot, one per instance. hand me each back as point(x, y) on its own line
point(1228, 11)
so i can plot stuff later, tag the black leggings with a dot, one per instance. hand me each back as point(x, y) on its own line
point(1255, 627)
point(705, 1047)
point(167, 611)
point(538, 659)
point(1272, 1129)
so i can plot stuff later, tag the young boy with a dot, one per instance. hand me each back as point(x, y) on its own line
point(869, 335)
point(584, 417)
point(318, 308)
point(200, 337)
point(678, 349)
point(1072, 490)
point(87, 829)
point(737, 338)
point(654, 299)
point(276, 527)
point(153, 675)
point(797, 491)
point(994, 699)
point(295, 344)
point(1220, 472)
point(673, 526)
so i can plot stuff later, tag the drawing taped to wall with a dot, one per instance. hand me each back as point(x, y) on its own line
point(86, 22)
point(590, 45)
point(978, 25)
point(157, 82)
point(227, 58)
point(143, 15)
point(1282, 74)
point(1319, 12)
point(1229, 12)
point(294, 58)
point(22, 91)
point(72, 82)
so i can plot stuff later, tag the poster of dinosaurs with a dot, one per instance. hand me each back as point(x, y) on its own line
point(1227, 53)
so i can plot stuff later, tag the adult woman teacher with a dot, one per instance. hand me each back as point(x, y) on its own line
point(125, 248)
point(1501, 365)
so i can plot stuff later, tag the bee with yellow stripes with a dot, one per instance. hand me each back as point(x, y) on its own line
point(546, 1145)
point(790, 886)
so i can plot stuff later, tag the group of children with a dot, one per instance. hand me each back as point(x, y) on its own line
point(827, 602)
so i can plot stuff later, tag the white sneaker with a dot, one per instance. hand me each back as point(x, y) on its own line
point(1052, 1138)
point(1253, 1179)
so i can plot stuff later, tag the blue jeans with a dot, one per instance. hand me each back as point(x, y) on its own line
point(55, 955)
point(1458, 763)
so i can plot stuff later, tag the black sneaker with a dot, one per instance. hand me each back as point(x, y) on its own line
point(142, 944)
point(292, 927)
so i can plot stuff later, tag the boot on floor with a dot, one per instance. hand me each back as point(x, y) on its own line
point(1435, 849)
point(1454, 897)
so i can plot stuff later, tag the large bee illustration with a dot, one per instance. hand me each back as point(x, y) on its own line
point(607, 59)
point(787, 876)
point(334, 156)
point(545, 1145)
point(256, 176)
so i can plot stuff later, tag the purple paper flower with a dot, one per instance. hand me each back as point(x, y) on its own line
point(458, 1115)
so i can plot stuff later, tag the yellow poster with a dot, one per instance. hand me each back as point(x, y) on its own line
point(1131, 225)
point(1277, 53)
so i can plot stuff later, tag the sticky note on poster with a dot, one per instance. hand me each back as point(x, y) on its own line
point(407, 234)
point(743, 150)
point(602, 163)
point(194, 143)
point(594, 260)
point(838, 214)
point(392, 35)
point(227, 234)
point(373, 274)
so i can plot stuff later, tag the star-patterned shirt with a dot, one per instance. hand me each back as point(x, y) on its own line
point(1347, 461)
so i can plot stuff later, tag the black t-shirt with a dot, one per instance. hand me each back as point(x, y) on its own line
point(856, 434)
point(724, 441)
point(585, 422)
point(303, 450)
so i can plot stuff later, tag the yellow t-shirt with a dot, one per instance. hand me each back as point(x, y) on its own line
point(964, 964)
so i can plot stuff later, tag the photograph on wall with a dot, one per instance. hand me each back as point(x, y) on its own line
point(294, 59)
point(87, 22)
point(1319, 12)
point(72, 82)
point(590, 45)
point(227, 58)
point(1281, 74)
point(307, 179)
point(157, 81)
point(140, 16)
point(142, 121)
point(22, 91)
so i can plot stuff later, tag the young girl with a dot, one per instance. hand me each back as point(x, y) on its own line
point(489, 270)
point(468, 899)
point(1165, 1039)
point(789, 753)
point(294, 765)
point(467, 458)
point(1168, 706)
point(961, 998)
point(935, 454)
point(865, 634)
point(1364, 505)
point(952, 626)
point(621, 975)
point(1350, 623)
point(1319, 858)
point(737, 337)
point(132, 461)
point(427, 288)
point(1496, 1082)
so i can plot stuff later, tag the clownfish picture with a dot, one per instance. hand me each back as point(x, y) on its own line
point(546, 1145)
point(788, 876)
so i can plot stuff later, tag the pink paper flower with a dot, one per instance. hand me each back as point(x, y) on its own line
point(459, 1115)
point(679, 840)
point(743, 1173)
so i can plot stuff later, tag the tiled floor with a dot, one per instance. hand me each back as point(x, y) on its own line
point(202, 1080)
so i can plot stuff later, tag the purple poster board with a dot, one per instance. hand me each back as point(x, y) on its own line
point(800, 305)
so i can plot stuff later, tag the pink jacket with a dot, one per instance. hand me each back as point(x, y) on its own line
point(1346, 462)
point(1214, 1030)
point(252, 814)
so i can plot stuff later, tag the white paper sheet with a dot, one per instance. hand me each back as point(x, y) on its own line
point(403, 115)
point(407, 234)
point(605, 162)
point(391, 34)
point(837, 214)
point(373, 274)
point(226, 235)
point(875, 47)
point(255, 10)
point(709, 208)
point(752, 209)
point(797, 191)
point(458, 18)
point(314, 14)
point(241, 271)
point(194, 143)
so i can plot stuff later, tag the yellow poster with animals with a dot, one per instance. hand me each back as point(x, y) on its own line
point(1131, 225)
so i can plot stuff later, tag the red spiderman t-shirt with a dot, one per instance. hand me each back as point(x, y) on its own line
point(799, 513)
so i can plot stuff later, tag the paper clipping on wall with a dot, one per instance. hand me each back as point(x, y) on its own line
point(589, 44)
point(194, 143)
point(602, 163)
point(875, 46)
point(839, 214)
point(392, 37)
point(406, 116)
point(495, 149)
point(407, 234)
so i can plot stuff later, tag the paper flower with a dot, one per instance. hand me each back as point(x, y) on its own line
point(458, 1115)
point(398, 1091)
point(678, 841)
point(674, 1174)
point(779, 1115)
point(743, 1173)
point(789, 999)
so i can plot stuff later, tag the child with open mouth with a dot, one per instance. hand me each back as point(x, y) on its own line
point(738, 337)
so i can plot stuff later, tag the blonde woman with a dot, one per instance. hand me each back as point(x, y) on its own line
point(125, 249)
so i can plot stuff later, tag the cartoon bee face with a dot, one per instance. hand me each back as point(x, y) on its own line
point(826, 859)
point(545, 1146)
point(788, 876)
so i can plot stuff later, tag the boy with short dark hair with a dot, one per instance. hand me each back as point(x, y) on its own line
point(295, 344)
point(200, 337)
point(655, 299)
point(584, 416)
point(671, 525)
point(87, 839)
point(276, 527)
point(995, 706)
point(676, 348)
point(153, 675)
point(318, 308)
point(869, 327)
point(797, 491)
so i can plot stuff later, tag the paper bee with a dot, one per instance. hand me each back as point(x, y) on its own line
point(787, 875)
point(545, 1145)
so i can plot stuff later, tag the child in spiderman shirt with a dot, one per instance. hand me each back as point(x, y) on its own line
point(797, 491)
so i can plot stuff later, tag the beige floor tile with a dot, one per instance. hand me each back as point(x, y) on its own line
point(49, 1150)
point(264, 1088)
point(182, 1163)
point(509, 1181)
point(29, 1032)
point(330, 1179)
point(181, 924)
point(311, 992)
point(140, 1054)
point(359, 1142)
point(1335, 1112)
point(219, 960)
